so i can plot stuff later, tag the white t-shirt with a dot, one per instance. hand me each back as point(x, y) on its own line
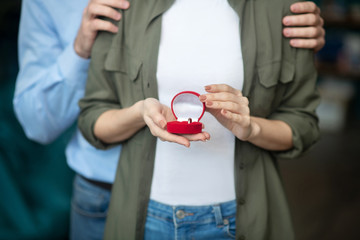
point(200, 45)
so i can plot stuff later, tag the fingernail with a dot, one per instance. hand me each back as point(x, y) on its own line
point(202, 98)
point(209, 103)
point(207, 88)
point(126, 4)
point(295, 8)
point(294, 42)
point(114, 29)
point(287, 21)
point(287, 32)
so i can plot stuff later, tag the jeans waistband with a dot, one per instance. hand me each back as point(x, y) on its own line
point(219, 212)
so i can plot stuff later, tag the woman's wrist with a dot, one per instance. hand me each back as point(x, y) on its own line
point(119, 124)
point(272, 135)
point(254, 131)
point(138, 109)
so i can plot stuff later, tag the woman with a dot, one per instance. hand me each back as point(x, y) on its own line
point(260, 97)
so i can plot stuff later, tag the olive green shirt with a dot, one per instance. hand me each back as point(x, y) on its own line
point(279, 82)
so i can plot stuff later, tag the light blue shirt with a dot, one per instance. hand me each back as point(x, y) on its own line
point(52, 80)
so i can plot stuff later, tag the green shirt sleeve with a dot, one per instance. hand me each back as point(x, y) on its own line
point(298, 105)
point(100, 94)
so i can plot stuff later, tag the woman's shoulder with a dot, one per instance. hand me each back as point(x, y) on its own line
point(275, 6)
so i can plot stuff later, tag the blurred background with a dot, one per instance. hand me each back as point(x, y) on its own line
point(323, 186)
point(35, 181)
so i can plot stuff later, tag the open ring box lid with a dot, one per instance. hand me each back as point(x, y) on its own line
point(188, 110)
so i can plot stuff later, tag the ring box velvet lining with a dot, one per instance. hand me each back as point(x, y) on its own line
point(188, 110)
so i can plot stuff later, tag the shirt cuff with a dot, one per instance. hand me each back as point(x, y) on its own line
point(305, 134)
point(86, 124)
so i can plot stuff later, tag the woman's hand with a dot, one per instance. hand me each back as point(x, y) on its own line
point(156, 116)
point(117, 125)
point(231, 109)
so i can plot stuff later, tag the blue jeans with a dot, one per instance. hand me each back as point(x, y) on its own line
point(190, 222)
point(89, 208)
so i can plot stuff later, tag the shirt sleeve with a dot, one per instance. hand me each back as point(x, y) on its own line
point(298, 107)
point(52, 76)
point(101, 95)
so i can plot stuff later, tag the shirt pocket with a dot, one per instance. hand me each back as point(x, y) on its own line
point(270, 85)
point(125, 70)
point(121, 60)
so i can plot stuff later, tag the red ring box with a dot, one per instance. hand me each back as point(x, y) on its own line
point(188, 110)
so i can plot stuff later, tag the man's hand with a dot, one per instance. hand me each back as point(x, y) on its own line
point(91, 24)
point(306, 28)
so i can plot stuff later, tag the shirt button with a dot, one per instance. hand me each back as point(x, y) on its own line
point(241, 201)
point(226, 221)
point(180, 214)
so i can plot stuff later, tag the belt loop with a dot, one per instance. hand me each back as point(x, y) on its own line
point(218, 215)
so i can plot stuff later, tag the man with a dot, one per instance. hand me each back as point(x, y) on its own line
point(55, 42)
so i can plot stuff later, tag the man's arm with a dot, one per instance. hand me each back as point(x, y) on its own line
point(306, 27)
point(52, 75)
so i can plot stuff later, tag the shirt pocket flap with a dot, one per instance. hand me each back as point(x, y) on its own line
point(272, 73)
point(287, 72)
point(119, 60)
